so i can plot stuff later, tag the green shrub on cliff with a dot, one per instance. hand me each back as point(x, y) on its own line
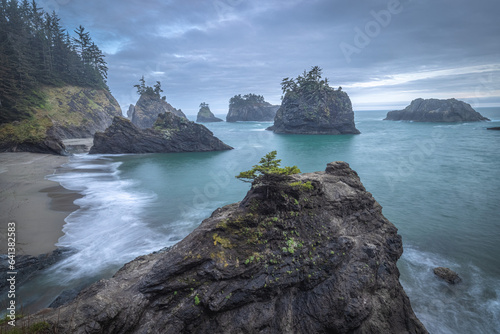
point(269, 165)
point(308, 82)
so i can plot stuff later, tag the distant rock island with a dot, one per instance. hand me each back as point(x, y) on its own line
point(205, 115)
point(250, 107)
point(434, 110)
point(308, 253)
point(170, 133)
point(311, 106)
point(494, 128)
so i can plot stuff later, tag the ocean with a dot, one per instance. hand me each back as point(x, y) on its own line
point(439, 184)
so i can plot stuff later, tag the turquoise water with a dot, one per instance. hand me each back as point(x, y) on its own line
point(438, 183)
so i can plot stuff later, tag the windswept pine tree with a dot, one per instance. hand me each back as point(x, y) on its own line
point(35, 50)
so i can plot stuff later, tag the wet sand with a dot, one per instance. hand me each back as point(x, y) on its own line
point(37, 206)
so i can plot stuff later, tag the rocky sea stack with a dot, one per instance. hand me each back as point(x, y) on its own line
point(311, 106)
point(170, 133)
point(250, 107)
point(205, 115)
point(148, 107)
point(308, 253)
point(434, 110)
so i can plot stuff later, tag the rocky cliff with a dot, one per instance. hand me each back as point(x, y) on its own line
point(250, 107)
point(67, 112)
point(434, 110)
point(205, 115)
point(170, 133)
point(307, 253)
point(148, 107)
point(318, 111)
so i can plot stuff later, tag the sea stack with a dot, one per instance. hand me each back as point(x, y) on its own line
point(434, 110)
point(205, 115)
point(311, 106)
point(308, 253)
point(250, 107)
point(169, 134)
point(148, 107)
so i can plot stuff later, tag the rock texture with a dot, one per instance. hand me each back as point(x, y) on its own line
point(307, 253)
point(319, 112)
point(206, 116)
point(447, 274)
point(434, 110)
point(170, 133)
point(68, 112)
point(147, 109)
point(250, 108)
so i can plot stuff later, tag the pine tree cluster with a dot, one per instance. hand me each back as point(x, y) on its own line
point(35, 50)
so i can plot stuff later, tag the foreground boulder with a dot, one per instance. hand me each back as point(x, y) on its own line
point(250, 107)
point(434, 110)
point(308, 253)
point(205, 115)
point(145, 112)
point(169, 134)
point(311, 106)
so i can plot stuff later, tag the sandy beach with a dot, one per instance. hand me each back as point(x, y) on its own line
point(37, 206)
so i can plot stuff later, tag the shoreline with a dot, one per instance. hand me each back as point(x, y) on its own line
point(38, 206)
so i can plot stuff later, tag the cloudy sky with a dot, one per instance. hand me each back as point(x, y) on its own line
point(384, 53)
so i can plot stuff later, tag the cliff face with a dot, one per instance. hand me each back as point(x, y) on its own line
point(307, 253)
point(434, 110)
point(170, 133)
point(67, 112)
point(147, 109)
point(206, 116)
point(318, 112)
point(251, 111)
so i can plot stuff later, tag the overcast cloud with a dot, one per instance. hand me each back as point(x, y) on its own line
point(384, 53)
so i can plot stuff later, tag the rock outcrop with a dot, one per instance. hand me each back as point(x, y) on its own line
point(308, 253)
point(250, 107)
point(434, 110)
point(447, 274)
point(147, 109)
point(170, 133)
point(205, 115)
point(325, 111)
point(67, 112)
point(130, 111)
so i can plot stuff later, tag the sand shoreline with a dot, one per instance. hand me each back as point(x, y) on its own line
point(37, 206)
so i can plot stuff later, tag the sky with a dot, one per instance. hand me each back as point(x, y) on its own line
point(384, 53)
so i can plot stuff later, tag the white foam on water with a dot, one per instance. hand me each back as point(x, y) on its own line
point(472, 306)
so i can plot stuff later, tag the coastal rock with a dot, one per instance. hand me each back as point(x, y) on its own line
point(325, 111)
point(434, 110)
point(308, 253)
point(130, 111)
point(205, 115)
point(68, 112)
point(494, 128)
point(170, 133)
point(250, 107)
point(447, 274)
point(147, 109)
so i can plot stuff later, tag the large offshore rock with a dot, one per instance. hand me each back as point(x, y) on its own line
point(250, 107)
point(325, 111)
point(206, 116)
point(170, 133)
point(145, 112)
point(308, 253)
point(434, 110)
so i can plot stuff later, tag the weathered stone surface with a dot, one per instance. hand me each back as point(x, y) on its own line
point(447, 274)
point(206, 116)
point(307, 253)
point(169, 134)
point(250, 108)
point(147, 109)
point(434, 110)
point(326, 112)
point(49, 145)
